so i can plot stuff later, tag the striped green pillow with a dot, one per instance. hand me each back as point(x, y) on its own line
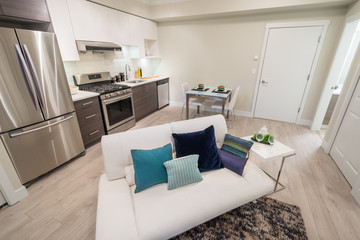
point(183, 171)
point(236, 145)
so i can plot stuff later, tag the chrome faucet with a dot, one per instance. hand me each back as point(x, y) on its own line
point(127, 71)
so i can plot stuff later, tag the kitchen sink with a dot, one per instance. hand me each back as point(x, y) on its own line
point(136, 81)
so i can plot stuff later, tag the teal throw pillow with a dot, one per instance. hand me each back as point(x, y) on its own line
point(183, 171)
point(149, 166)
point(236, 145)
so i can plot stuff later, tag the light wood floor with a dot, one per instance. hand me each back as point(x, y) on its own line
point(62, 205)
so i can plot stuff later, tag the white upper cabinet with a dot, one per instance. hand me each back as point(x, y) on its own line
point(144, 34)
point(94, 22)
point(61, 22)
point(141, 28)
point(150, 29)
point(136, 34)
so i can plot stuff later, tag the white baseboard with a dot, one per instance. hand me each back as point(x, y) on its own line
point(237, 112)
point(176, 104)
point(305, 122)
point(324, 126)
point(243, 113)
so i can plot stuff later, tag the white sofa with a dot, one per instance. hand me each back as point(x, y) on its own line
point(157, 213)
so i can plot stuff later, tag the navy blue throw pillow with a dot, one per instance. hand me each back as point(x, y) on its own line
point(202, 143)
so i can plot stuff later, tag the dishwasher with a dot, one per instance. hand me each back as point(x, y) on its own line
point(163, 92)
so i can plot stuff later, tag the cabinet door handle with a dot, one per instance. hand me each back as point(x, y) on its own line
point(94, 132)
point(87, 103)
point(93, 115)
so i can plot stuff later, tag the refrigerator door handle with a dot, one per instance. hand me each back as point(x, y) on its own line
point(39, 128)
point(37, 84)
point(27, 76)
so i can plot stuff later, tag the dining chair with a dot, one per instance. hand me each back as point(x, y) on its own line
point(229, 106)
point(192, 101)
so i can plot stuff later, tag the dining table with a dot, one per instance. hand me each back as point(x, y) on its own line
point(209, 93)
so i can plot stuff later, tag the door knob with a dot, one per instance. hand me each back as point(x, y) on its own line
point(264, 82)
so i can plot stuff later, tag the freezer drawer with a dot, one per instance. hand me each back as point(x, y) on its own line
point(37, 149)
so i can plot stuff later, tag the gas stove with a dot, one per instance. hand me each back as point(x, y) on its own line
point(115, 100)
point(103, 88)
point(106, 90)
point(100, 83)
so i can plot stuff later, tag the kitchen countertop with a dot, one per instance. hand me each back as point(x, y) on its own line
point(143, 81)
point(83, 95)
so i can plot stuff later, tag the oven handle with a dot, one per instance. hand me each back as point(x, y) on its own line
point(115, 99)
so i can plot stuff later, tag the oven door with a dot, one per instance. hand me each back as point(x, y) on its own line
point(118, 110)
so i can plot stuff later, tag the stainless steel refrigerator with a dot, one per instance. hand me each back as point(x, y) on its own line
point(38, 124)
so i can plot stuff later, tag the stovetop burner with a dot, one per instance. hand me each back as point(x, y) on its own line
point(103, 88)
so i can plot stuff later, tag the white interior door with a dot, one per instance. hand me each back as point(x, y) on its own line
point(345, 150)
point(339, 69)
point(288, 60)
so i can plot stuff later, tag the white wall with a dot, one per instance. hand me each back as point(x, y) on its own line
point(221, 51)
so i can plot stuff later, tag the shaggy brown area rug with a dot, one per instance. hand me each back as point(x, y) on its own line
point(264, 219)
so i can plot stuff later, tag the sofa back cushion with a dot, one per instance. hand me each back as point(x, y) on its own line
point(198, 124)
point(116, 147)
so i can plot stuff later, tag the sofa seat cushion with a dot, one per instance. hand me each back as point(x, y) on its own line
point(162, 214)
point(116, 147)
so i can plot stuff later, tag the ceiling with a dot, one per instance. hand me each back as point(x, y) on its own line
point(176, 10)
point(160, 2)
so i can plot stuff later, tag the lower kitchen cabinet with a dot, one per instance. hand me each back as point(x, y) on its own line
point(90, 120)
point(145, 100)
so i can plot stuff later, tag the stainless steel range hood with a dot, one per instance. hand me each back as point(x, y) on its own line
point(84, 46)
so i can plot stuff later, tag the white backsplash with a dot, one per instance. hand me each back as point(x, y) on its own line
point(106, 62)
